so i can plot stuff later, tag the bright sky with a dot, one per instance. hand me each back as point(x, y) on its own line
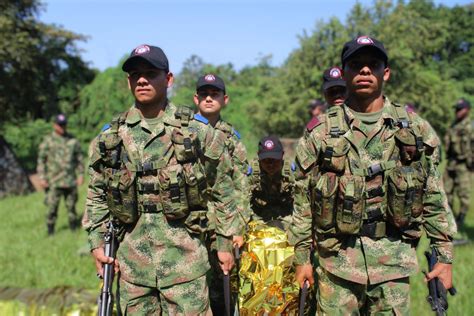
point(219, 31)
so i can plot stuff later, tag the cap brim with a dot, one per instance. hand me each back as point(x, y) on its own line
point(129, 63)
point(211, 86)
point(335, 83)
point(350, 53)
point(270, 154)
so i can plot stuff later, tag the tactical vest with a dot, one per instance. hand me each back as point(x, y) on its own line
point(174, 184)
point(349, 197)
point(261, 201)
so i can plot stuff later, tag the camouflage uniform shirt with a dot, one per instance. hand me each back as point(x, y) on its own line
point(355, 257)
point(60, 160)
point(271, 197)
point(155, 251)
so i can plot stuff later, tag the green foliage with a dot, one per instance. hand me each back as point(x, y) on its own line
point(24, 138)
point(107, 95)
point(430, 51)
point(40, 68)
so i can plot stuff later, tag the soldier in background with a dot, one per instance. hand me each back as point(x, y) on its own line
point(334, 86)
point(316, 107)
point(367, 184)
point(271, 184)
point(60, 170)
point(210, 99)
point(459, 142)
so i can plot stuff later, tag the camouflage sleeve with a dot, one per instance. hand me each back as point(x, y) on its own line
point(239, 177)
point(219, 167)
point(42, 157)
point(300, 230)
point(96, 213)
point(438, 218)
point(79, 157)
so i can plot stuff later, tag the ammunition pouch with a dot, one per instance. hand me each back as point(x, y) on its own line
point(405, 188)
point(323, 199)
point(351, 204)
point(173, 192)
point(334, 152)
point(122, 196)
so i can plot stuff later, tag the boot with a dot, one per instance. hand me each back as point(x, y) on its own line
point(73, 225)
point(460, 219)
point(50, 229)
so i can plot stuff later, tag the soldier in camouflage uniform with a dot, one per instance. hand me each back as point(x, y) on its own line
point(271, 184)
point(210, 98)
point(459, 141)
point(334, 86)
point(155, 168)
point(367, 183)
point(60, 170)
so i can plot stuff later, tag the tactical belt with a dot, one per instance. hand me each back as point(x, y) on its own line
point(374, 230)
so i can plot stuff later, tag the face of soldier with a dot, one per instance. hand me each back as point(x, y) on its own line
point(148, 84)
point(271, 166)
point(462, 113)
point(365, 73)
point(59, 129)
point(335, 95)
point(317, 111)
point(210, 101)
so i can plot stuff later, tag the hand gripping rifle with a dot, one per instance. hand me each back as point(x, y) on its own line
point(106, 298)
point(437, 296)
point(227, 288)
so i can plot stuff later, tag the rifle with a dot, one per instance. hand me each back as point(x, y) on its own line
point(106, 298)
point(303, 294)
point(237, 266)
point(227, 288)
point(437, 296)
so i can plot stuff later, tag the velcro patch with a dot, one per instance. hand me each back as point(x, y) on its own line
point(313, 123)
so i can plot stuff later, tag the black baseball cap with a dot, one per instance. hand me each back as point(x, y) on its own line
point(462, 104)
point(270, 147)
point(60, 119)
point(332, 77)
point(210, 80)
point(152, 54)
point(363, 42)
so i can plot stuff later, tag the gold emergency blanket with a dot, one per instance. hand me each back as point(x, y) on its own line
point(267, 283)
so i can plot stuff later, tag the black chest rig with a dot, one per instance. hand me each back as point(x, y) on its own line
point(352, 196)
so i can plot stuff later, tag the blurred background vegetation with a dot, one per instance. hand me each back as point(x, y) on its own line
point(430, 48)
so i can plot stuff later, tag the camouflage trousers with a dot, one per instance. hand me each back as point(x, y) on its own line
point(53, 196)
point(337, 296)
point(457, 182)
point(188, 298)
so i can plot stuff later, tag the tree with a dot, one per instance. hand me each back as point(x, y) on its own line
point(40, 68)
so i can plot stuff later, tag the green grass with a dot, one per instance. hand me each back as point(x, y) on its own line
point(30, 259)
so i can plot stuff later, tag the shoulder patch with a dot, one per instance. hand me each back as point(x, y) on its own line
point(249, 170)
point(105, 127)
point(312, 124)
point(200, 118)
point(237, 134)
